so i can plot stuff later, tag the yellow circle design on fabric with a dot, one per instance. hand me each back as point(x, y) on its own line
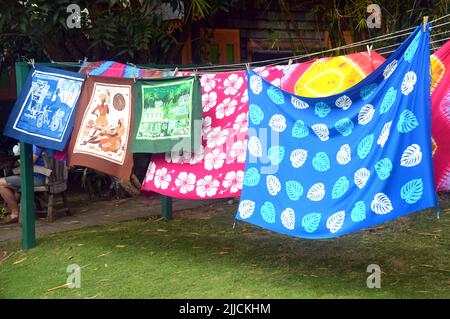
point(328, 77)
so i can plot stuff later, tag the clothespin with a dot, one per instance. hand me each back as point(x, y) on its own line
point(134, 77)
point(175, 71)
point(247, 65)
point(289, 65)
point(32, 63)
point(369, 49)
point(425, 21)
point(85, 59)
point(195, 72)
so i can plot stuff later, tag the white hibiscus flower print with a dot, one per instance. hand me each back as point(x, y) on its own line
point(209, 100)
point(226, 108)
point(162, 178)
point(238, 151)
point(232, 84)
point(197, 155)
point(233, 181)
point(214, 159)
point(216, 137)
point(206, 125)
point(276, 82)
point(262, 71)
point(180, 157)
point(185, 182)
point(150, 172)
point(208, 82)
point(240, 123)
point(207, 186)
point(244, 98)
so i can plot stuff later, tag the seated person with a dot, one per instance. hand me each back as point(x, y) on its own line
point(10, 184)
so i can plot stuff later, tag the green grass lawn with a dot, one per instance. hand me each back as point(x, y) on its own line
point(204, 257)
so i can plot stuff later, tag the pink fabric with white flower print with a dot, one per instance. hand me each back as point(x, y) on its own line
point(216, 170)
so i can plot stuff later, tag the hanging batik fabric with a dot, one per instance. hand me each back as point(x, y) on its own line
point(168, 115)
point(331, 75)
point(216, 169)
point(323, 167)
point(44, 112)
point(120, 70)
point(440, 124)
point(103, 127)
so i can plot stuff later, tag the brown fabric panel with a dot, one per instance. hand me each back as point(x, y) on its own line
point(108, 134)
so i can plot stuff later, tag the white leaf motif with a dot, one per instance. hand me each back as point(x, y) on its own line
point(409, 80)
point(381, 204)
point(254, 146)
point(344, 102)
point(390, 68)
point(298, 157)
point(344, 155)
point(384, 135)
point(288, 218)
point(246, 208)
point(321, 131)
point(365, 114)
point(361, 177)
point(299, 104)
point(412, 156)
point(316, 192)
point(273, 185)
point(335, 221)
point(256, 84)
point(278, 123)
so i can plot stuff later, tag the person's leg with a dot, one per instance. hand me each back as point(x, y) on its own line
point(7, 184)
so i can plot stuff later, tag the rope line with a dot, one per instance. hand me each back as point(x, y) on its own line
point(236, 66)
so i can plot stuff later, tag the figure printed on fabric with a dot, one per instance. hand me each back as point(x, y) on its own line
point(166, 111)
point(105, 125)
point(46, 107)
point(324, 167)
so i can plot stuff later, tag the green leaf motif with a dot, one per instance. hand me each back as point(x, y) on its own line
point(365, 146)
point(340, 187)
point(358, 212)
point(255, 114)
point(275, 95)
point(310, 222)
point(344, 126)
point(412, 191)
point(268, 212)
point(294, 190)
point(300, 130)
point(388, 100)
point(276, 154)
point(251, 177)
point(383, 168)
point(321, 162)
point(407, 122)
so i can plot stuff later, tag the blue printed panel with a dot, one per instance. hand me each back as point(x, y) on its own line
point(348, 162)
point(43, 114)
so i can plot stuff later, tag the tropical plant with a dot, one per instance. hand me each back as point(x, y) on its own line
point(122, 30)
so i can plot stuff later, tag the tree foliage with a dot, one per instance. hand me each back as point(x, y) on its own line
point(124, 30)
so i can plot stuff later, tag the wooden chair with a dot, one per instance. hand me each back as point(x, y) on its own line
point(56, 173)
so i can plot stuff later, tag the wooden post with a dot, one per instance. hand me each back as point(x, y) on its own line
point(166, 207)
point(26, 174)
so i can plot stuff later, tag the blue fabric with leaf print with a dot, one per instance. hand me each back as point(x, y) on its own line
point(324, 170)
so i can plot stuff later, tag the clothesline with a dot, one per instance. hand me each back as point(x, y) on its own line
point(432, 42)
point(240, 66)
